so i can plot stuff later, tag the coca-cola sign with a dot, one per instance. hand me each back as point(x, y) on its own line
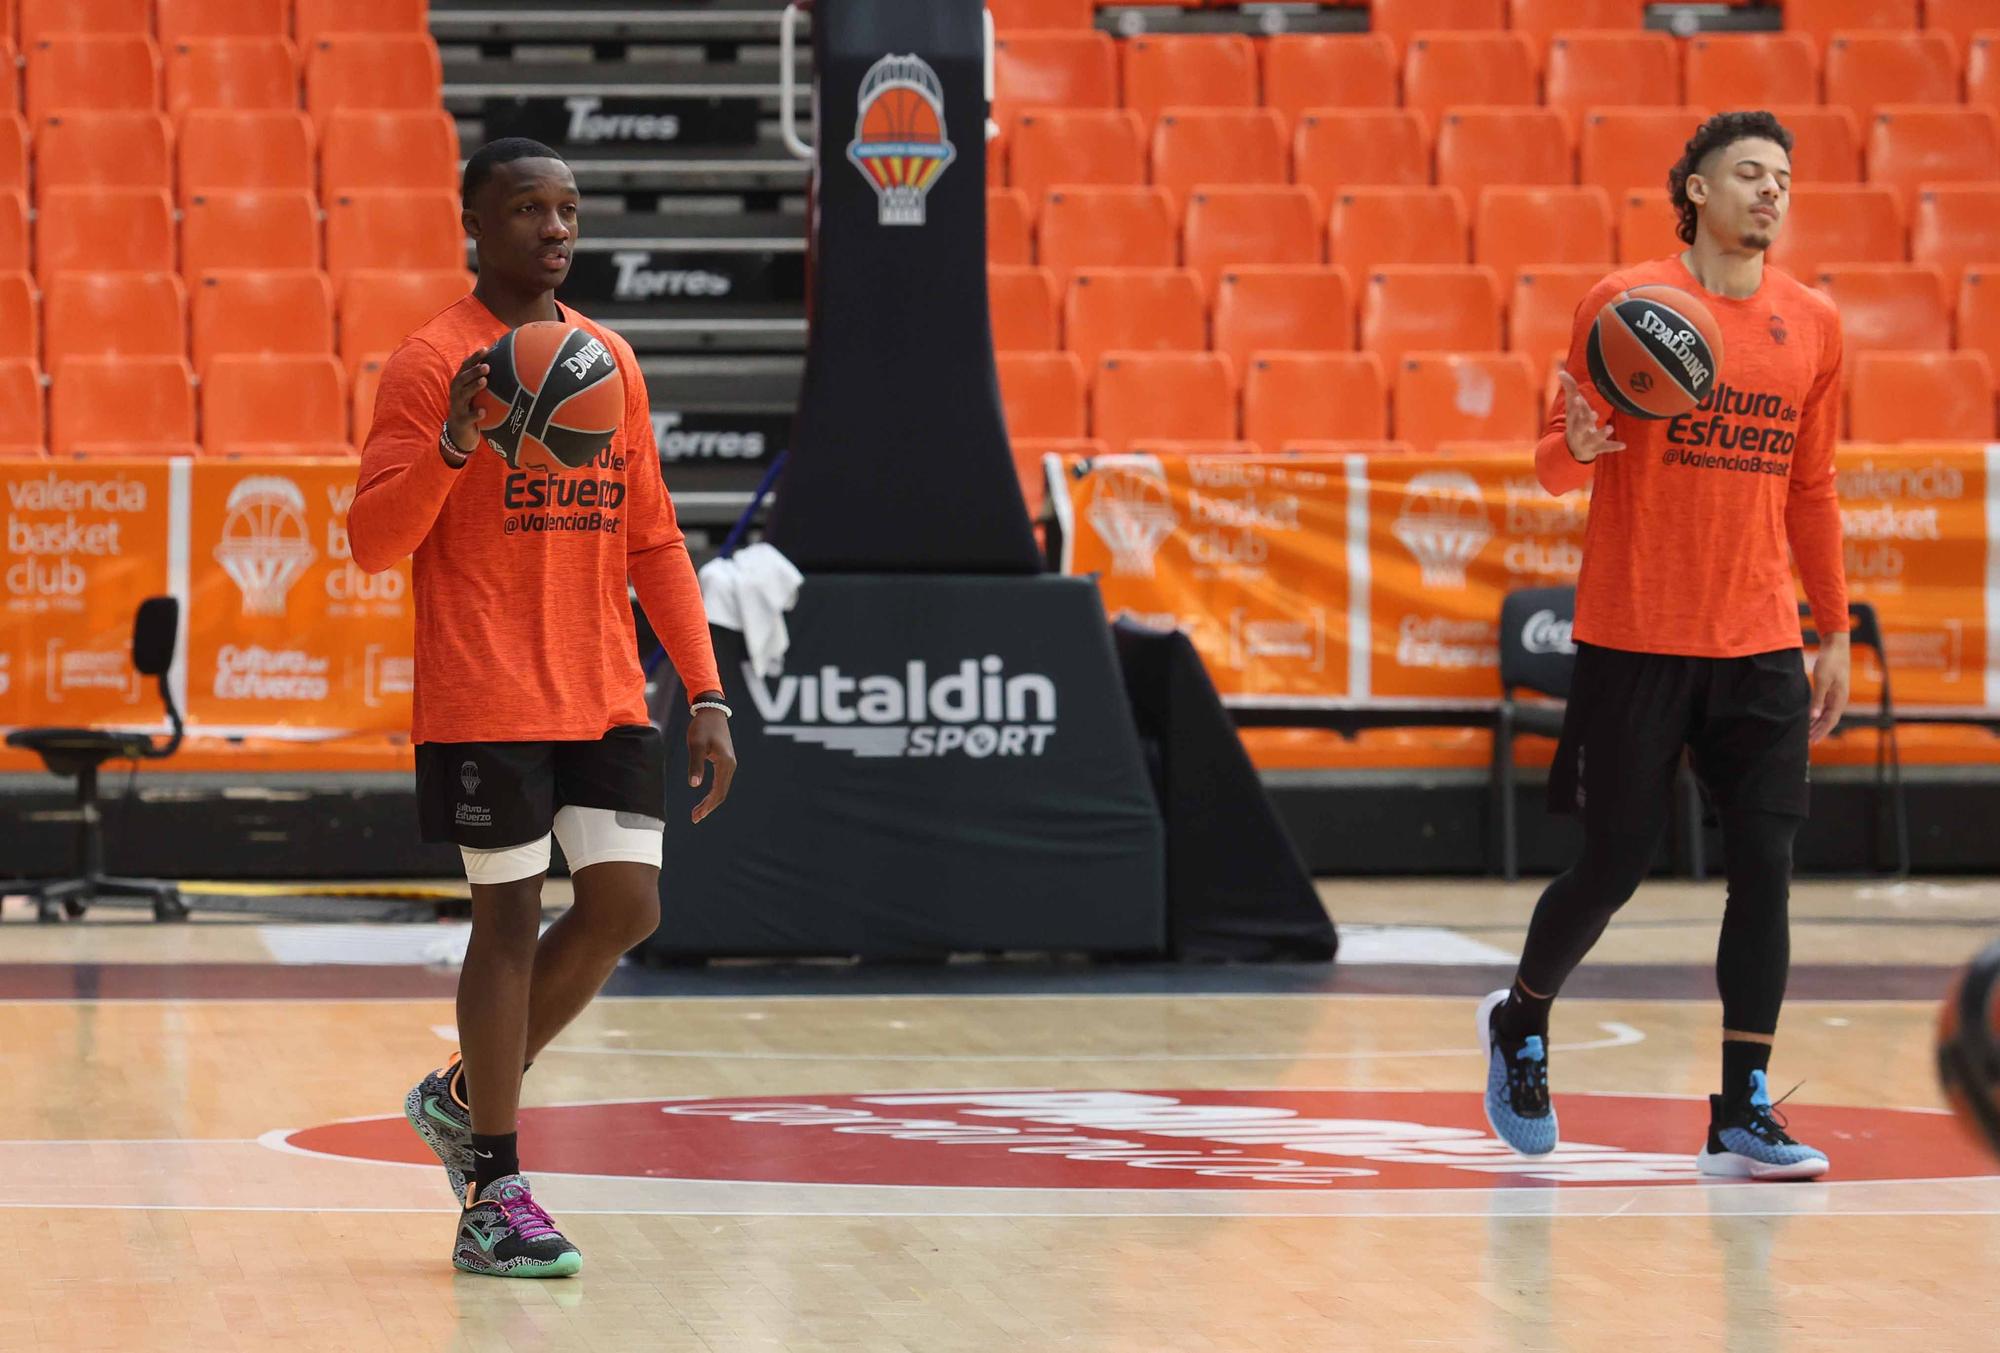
point(1546, 632)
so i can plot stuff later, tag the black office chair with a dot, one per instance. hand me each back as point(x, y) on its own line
point(1865, 631)
point(1536, 654)
point(80, 751)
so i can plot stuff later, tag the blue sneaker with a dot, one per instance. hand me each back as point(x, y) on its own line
point(1517, 1086)
point(1747, 1140)
point(444, 1123)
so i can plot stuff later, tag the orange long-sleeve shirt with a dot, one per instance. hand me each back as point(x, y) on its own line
point(524, 630)
point(1685, 552)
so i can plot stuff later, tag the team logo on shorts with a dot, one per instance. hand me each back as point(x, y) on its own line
point(899, 138)
point(468, 775)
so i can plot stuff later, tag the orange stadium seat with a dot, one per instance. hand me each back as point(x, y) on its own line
point(1595, 70)
point(1821, 19)
point(1178, 396)
point(1541, 20)
point(1260, 309)
point(1293, 397)
point(1189, 70)
point(1647, 226)
point(1328, 70)
point(366, 70)
point(1108, 228)
point(66, 18)
point(1026, 306)
point(314, 19)
point(1515, 227)
point(233, 73)
point(13, 230)
point(107, 314)
point(180, 20)
point(236, 312)
point(10, 75)
point(1134, 309)
point(231, 150)
point(1465, 396)
point(1982, 70)
point(1446, 69)
point(1624, 148)
point(122, 148)
point(367, 381)
point(1962, 19)
point(1400, 20)
point(1217, 145)
point(381, 229)
point(20, 322)
point(997, 153)
point(266, 230)
point(1054, 147)
point(1336, 148)
point(1911, 146)
point(269, 405)
point(1979, 313)
point(1841, 223)
point(1478, 146)
point(1730, 70)
point(1417, 308)
point(1010, 230)
point(1956, 225)
point(1890, 305)
point(91, 72)
point(1826, 142)
point(121, 406)
point(1011, 14)
point(1054, 70)
point(103, 229)
point(362, 150)
point(1920, 396)
point(1042, 394)
point(1865, 70)
point(380, 308)
point(1542, 314)
point(22, 428)
point(1228, 225)
point(1373, 226)
point(13, 147)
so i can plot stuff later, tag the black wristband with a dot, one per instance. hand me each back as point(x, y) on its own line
point(449, 449)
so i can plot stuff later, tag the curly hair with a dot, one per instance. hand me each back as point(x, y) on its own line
point(479, 168)
point(1719, 131)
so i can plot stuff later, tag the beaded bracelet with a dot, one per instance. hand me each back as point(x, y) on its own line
point(727, 712)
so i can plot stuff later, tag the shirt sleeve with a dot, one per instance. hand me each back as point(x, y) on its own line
point(1812, 509)
point(404, 477)
point(1558, 470)
point(656, 550)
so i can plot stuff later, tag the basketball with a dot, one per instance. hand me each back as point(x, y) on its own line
point(553, 399)
point(1968, 1054)
point(1654, 352)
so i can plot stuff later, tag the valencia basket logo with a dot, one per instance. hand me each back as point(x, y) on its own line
point(899, 143)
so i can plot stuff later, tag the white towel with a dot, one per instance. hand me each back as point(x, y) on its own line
point(750, 591)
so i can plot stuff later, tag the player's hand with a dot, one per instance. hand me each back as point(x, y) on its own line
point(1587, 438)
point(461, 419)
point(1831, 672)
point(709, 745)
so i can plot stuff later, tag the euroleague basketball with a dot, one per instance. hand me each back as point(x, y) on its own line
point(1968, 1050)
point(553, 399)
point(1654, 352)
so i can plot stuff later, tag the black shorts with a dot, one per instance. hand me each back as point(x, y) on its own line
point(1746, 722)
point(493, 795)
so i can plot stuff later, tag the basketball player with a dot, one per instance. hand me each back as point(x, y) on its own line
point(530, 715)
point(1688, 637)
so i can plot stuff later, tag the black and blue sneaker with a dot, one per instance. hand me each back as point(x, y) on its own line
point(1517, 1085)
point(444, 1122)
point(1747, 1139)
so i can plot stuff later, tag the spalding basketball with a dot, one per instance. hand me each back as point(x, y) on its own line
point(553, 398)
point(1654, 352)
point(1968, 1052)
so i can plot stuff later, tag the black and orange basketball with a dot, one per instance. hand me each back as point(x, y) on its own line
point(1968, 1051)
point(553, 399)
point(1654, 352)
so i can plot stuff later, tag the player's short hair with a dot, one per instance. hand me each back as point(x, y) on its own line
point(506, 150)
point(1714, 134)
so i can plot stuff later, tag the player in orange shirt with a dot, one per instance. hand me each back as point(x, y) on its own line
point(529, 709)
point(1688, 637)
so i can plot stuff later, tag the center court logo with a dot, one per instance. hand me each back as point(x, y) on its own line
point(1443, 523)
point(899, 143)
point(976, 709)
point(265, 546)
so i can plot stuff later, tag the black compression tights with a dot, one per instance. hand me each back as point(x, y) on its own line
point(1755, 949)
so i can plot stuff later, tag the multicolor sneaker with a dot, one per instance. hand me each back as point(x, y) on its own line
point(1517, 1085)
point(1747, 1140)
point(445, 1124)
point(504, 1233)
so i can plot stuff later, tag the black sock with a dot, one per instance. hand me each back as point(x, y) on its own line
point(1740, 1057)
point(495, 1157)
point(1522, 1015)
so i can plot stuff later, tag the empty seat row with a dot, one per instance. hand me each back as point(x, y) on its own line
point(358, 70)
point(26, 21)
point(229, 314)
point(219, 150)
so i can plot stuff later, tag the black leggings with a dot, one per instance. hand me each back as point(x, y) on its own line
point(1755, 950)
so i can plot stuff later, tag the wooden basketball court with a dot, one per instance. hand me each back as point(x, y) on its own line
point(203, 1147)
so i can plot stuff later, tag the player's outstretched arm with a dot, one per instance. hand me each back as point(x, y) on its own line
point(425, 429)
